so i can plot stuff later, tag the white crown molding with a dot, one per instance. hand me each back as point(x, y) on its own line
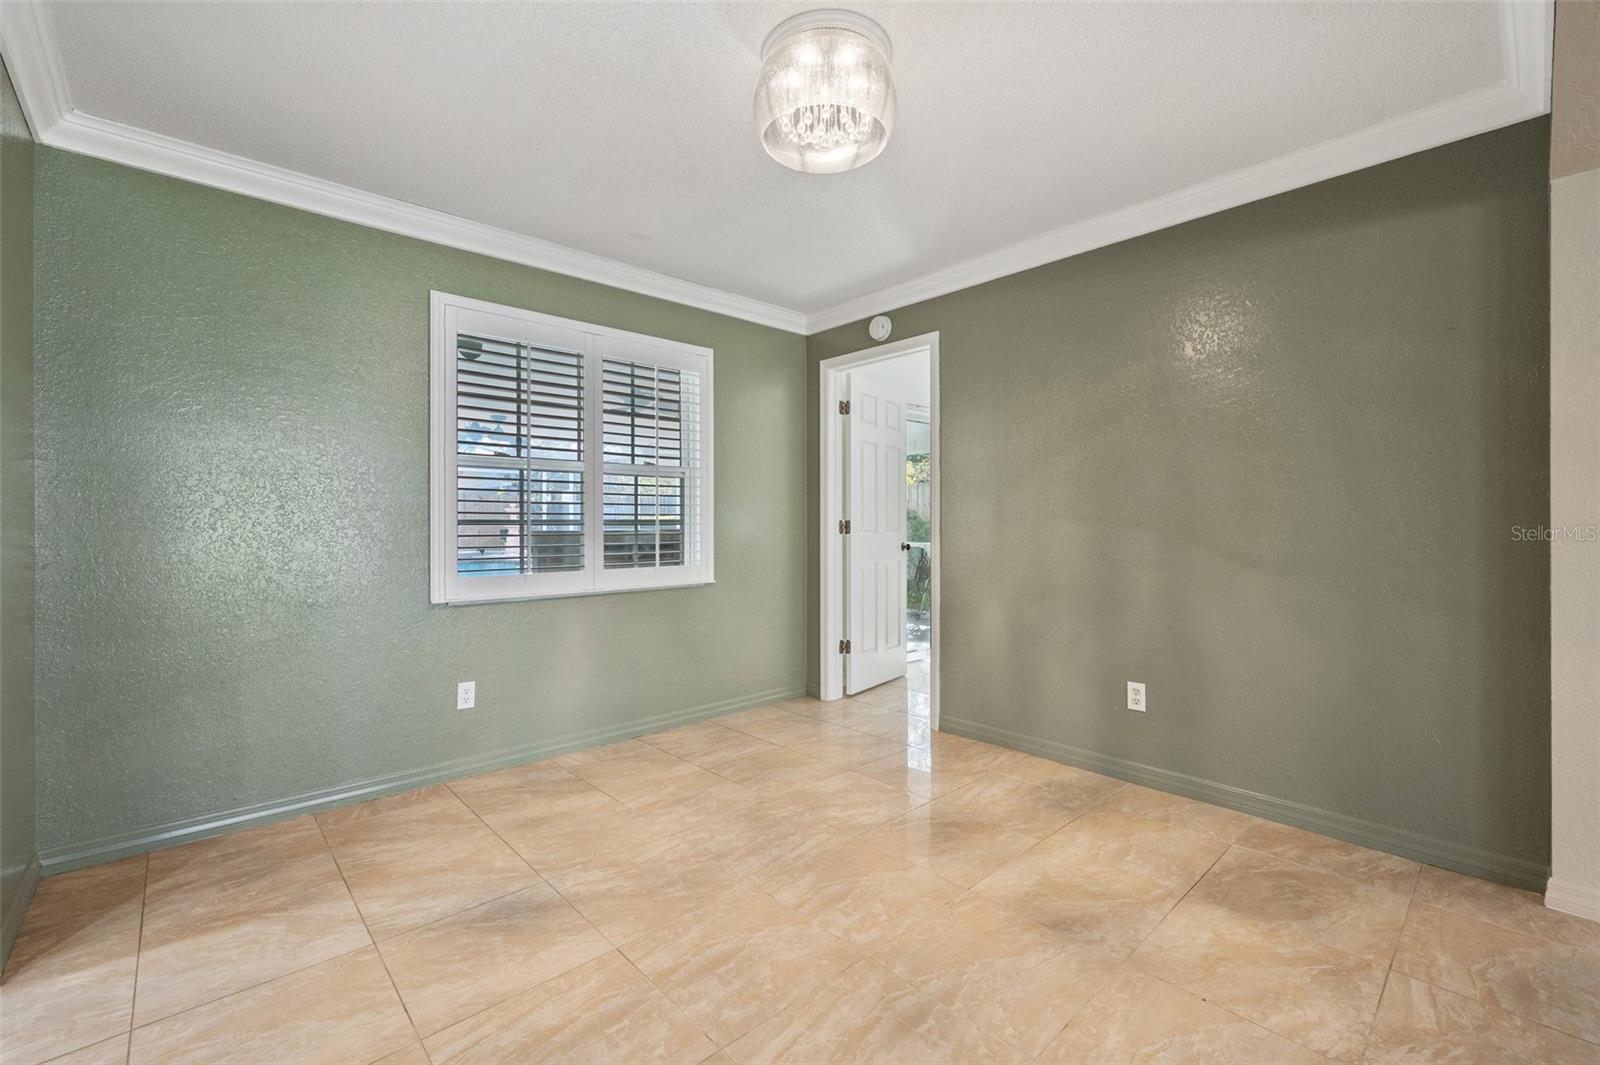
point(34, 63)
point(1527, 28)
point(33, 60)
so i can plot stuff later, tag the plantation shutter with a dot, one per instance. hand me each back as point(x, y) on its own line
point(566, 458)
point(519, 432)
point(653, 488)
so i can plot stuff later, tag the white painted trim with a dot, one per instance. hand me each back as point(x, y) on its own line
point(830, 553)
point(555, 322)
point(34, 63)
point(830, 590)
point(1528, 34)
point(597, 343)
point(1528, 26)
point(1580, 900)
point(935, 659)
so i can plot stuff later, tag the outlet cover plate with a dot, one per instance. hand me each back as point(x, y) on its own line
point(1136, 696)
point(466, 695)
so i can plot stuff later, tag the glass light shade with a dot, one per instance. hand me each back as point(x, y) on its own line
point(825, 99)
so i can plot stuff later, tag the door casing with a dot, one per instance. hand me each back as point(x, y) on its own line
point(831, 591)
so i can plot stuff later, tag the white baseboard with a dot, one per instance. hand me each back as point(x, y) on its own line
point(1568, 896)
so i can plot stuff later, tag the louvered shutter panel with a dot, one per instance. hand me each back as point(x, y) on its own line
point(651, 420)
point(566, 458)
point(520, 449)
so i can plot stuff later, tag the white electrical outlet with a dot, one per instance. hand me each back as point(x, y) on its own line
point(1136, 696)
point(466, 695)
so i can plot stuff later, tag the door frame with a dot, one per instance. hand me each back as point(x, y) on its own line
point(831, 592)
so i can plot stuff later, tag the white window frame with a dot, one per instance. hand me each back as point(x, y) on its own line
point(450, 315)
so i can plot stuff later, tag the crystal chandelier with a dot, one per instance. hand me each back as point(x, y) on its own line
point(825, 99)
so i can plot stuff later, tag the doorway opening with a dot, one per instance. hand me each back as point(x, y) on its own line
point(879, 592)
point(919, 535)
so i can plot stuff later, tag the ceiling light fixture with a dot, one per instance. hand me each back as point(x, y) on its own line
point(825, 99)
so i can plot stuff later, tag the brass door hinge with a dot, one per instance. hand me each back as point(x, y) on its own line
point(844, 406)
point(844, 647)
point(844, 525)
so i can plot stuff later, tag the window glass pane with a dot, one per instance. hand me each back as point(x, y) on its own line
point(517, 401)
point(512, 521)
point(644, 521)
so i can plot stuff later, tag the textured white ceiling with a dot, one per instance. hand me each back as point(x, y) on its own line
point(625, 129)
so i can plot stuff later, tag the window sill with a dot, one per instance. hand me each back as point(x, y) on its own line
point(634, 590)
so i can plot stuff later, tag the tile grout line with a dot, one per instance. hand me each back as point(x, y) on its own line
point(372, 939)
point(253, 987)
point(965, 888)
point(1169, 911)
point(630, 806)
point(372, 942)
point(1444, 907)
point(133, 995)
point(1234, 1013)
point(756, 797)
point(138, 953)
point(647, 978)
point(863, 954)
point(962, 889)
point(809, 922)
point(1416, 884)
point(1082, 1009)
point(1474, 997)
point(1332, 872)
point(542, 879)
point(1388, 971)
point(1327, 946)
point(837, 770)
point(615, 947)
point(1202, 998)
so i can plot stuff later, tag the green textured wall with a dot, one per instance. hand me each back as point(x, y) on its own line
point(233, 506)
point(16, 508)
point(1268, 462)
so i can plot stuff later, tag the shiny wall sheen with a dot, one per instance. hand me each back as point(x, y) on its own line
point(1269, 462)
point(17, 811)
point(233, 515)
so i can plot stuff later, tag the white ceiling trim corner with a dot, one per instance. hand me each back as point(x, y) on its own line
point(1528, 32)
point(33, 59)
point(34, 63)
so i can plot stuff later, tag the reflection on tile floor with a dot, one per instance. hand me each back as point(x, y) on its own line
point(803, 882)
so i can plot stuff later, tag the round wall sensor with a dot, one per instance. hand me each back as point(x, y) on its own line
point(878, 328)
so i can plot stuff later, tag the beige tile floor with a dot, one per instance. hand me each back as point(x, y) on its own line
point(802, 882)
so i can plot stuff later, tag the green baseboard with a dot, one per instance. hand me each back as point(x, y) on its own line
point(69, 856)
point(1497, 867)
point(11, 920)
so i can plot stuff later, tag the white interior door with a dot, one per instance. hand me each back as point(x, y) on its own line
point(875, 506)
